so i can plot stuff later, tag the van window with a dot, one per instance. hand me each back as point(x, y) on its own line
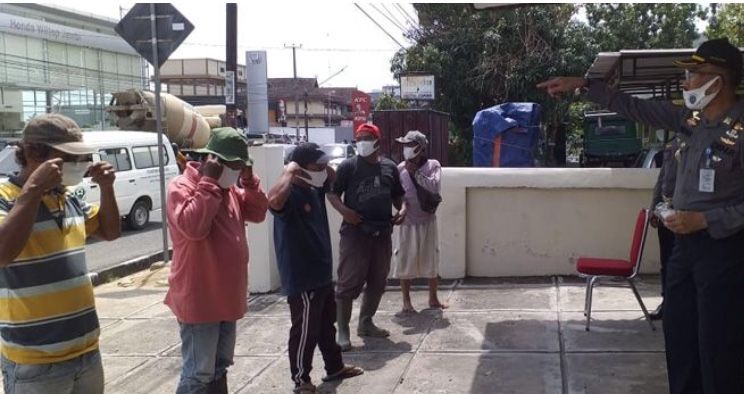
point(118, 158)
point(147, 156)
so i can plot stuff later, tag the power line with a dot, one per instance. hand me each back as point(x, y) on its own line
point(406, 14)
point(409, 19)
point(392, 20)
point(268, 48)
point(379, 26)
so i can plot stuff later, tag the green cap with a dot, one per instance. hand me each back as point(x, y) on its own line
point(229, 145)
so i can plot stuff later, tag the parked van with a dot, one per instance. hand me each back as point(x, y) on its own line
point(134, 155)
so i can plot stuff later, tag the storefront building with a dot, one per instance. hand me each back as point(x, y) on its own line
point(53, 59)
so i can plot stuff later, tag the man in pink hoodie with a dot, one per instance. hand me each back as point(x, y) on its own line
point(207, 209)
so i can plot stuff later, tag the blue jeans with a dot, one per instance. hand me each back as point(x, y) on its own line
point(207, 350)
point(81, 375)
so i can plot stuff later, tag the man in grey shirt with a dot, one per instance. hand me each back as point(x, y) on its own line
point(704, 294)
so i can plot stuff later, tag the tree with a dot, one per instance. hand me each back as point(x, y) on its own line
point(387, 101)
point(729, 22)
point(643, 25)
point(483, 58)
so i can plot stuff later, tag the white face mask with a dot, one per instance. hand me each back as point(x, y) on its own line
point(73, 172)
point(409, 152)
point(317, 178)
point(228, 178)
point(366, 148)
point(696, 99)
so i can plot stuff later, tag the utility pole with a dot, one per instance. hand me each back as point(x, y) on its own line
point(307, 137)
point(296, 96)
point(330, 106)
point(231, 57)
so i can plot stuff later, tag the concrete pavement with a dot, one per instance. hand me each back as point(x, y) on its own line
point(499, 336)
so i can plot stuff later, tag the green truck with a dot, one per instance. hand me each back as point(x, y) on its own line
point(609, 140)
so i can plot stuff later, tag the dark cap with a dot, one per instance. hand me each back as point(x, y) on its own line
point(58, 132)
point(413, 136)
point(718, 52)
point(309, 153)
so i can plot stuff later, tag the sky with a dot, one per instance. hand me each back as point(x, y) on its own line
point(333, 35)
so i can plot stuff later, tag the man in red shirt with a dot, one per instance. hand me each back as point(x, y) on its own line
point(208, 207)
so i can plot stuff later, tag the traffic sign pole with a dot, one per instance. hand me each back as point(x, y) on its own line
point(159, 127)
point(174, 28)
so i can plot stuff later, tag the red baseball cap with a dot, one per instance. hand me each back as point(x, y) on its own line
point(368, 128)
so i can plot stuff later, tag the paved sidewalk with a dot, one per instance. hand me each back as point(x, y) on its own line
point(499, 336)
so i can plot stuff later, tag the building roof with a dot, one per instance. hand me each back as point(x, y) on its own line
point(635, 71)
point(285, 88)
point(344, 93)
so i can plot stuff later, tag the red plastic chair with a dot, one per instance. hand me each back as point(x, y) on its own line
point(595, 269)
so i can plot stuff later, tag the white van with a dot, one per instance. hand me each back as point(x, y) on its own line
point(134, 155)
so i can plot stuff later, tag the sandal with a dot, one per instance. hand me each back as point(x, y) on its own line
point(348, 371)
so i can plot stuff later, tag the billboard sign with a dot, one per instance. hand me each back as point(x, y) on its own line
point(417, 87)
point(360, 103)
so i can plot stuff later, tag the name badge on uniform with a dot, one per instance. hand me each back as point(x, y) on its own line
point(707, 180)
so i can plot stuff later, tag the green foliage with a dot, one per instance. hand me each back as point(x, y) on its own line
point(387, 101)
point(575, 125)
point(484, 58)
point(643, 25)
point(729, 23)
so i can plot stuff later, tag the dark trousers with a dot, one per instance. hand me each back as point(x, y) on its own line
point(363, 259)
point(704, 315)
point(666, 246)
point(313, 317)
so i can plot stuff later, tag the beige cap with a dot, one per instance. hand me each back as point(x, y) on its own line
point(56, 131)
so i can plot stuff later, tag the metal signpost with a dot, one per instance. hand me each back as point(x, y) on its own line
point(155, 30)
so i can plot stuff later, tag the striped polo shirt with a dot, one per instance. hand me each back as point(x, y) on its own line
point(47, 308)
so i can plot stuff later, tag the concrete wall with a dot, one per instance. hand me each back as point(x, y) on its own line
point(517, 222)
point(263, 275)
point(504, 222)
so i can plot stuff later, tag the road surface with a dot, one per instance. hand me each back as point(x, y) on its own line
point(132, 244)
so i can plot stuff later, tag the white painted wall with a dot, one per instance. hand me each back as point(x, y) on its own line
point(263, 274)
point(518, 222)
point(505, 222)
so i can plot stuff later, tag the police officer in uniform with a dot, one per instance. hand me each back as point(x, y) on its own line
point(704, 294)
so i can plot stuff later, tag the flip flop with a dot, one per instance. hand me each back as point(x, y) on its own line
point(348, 371)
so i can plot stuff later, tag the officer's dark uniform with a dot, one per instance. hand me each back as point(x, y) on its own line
point(704, 294)
point(663, 192)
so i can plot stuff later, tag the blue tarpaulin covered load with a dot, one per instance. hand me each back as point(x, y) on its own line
point(506, 135)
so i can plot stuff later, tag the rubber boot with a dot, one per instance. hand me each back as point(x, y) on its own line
point(218, 386)
point(343, 316)
point(367, 327)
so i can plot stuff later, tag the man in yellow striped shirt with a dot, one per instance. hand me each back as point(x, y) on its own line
point(48, 323)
